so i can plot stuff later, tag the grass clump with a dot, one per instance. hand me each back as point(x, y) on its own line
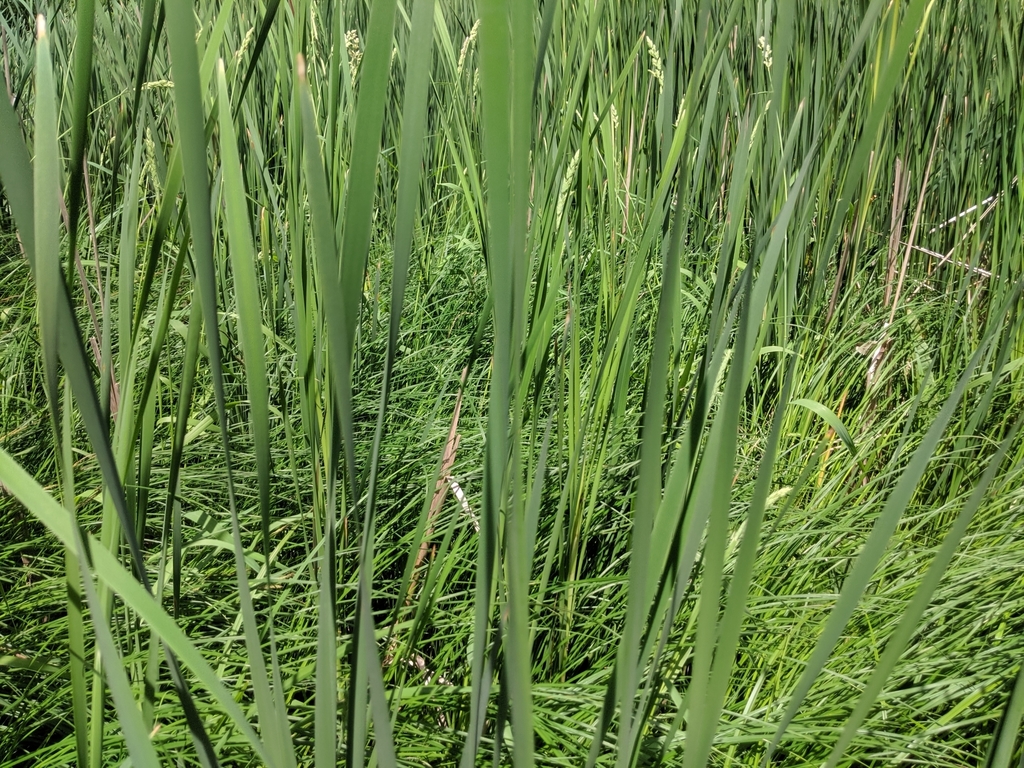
point(449, 383)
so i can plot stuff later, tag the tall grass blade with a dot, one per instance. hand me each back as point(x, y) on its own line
point(327, 266)
point(704, 719)
point(250, 331)
point(76, 599)
point(85, 22)
point(1009, 730)
point(360, 193)
point(414, 118)
point(46, 186)
point(17, 176)
point(261, 40)
point(191, 134)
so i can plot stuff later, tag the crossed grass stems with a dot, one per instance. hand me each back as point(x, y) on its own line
point(722, 407)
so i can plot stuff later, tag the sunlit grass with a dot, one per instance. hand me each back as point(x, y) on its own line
point(449, 383)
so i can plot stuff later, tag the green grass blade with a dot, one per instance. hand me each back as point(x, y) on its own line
point(713, 490)
point(242, 253)
point(831, 419)
point(172, 509)
point(167, 208)
point(16, 175)
point(414, 120)
point(85, 18)
point(703, 720)
point(519, 668)
point(649, 493)
point(250, 331)
point(495, 52)
point(76, 599)
point(46, 186)
point(547, 21)
point(192, 135)
point(359, 200)
point(327, 262)
point(148, 13)
point(261, 39)
point(1001, 752)
point(212, 53)
point(129, 717)
point(346, 289)
point(126, 264)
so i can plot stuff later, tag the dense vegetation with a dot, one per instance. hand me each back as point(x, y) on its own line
point(534, 383)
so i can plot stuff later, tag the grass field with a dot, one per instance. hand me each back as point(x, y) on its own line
point(555, 383)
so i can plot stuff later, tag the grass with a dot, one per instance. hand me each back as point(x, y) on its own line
point(447, 383)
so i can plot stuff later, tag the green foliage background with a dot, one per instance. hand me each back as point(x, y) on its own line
point(579, 382)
